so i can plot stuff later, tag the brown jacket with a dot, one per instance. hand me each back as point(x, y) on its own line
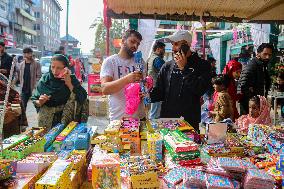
point(35, 70)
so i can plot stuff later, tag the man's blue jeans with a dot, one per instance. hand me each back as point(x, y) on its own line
point(155, 110)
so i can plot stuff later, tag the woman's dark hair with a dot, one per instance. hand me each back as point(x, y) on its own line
point(61, 58)
point(256, 100)
point(221, 79)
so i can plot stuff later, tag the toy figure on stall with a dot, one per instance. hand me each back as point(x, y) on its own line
point(259, 113)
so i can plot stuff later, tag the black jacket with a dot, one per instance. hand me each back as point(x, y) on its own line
point(6, 63)
point(182, 97)
point(255, 75)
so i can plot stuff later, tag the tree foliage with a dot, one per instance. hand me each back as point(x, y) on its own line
point(116, 30)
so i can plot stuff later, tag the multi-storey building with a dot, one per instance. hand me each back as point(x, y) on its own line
point(5, 34)
point(21, 22)
point(47, 25)
point(4, 23)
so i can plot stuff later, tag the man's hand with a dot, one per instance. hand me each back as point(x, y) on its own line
point(134, 77)
point(180, 59)
point(3, 71)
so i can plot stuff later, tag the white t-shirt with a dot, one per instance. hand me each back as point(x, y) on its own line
point(116, 67)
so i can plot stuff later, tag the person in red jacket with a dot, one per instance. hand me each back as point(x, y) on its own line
point(233, 70)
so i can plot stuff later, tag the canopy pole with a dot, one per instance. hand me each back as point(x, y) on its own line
point(107, 40)
point(203, 36)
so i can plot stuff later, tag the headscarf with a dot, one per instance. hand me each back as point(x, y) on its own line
point(231, 67)
point(264, 117)
point(57, 89)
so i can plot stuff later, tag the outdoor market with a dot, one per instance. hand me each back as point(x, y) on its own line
point(198, 107)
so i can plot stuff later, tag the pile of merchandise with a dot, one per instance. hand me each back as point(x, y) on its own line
point(163, 153)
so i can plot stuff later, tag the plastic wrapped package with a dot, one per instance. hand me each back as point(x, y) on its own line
point(216, 170)
point(195, 178)
point(67, 142)
point(230, 164)
point(277, 175)
point(258, 179)
point(52, 134)
point(155, 146)
point(178, 141)
point(174, 176)
point(105, 171)
point(218, 182)
point(181, 155)
point(7, 168)
point(57, 176)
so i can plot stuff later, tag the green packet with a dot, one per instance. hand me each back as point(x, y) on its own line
point(177, 135)
point(181, 155)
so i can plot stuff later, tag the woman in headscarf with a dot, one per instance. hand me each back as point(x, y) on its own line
point(59, 96)
point(233, 71)
point(259, 113)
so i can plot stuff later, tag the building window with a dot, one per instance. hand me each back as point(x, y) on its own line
point(37, 14)
point(37, 27)
point(3, 6)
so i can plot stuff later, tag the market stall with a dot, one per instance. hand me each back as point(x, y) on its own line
point(163, 153)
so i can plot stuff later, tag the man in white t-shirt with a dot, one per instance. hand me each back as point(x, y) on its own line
point(119, 70)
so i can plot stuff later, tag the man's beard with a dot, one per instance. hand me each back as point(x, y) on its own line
point(129, 52)
point(265, 61)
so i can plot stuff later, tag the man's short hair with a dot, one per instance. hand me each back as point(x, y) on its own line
point(27, 50)
point(61, 48)
point(130, 32)
point(158, 44)
point(2, 44)
point(57, 52)
point(263, 46)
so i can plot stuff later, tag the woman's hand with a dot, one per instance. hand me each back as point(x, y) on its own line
point(42, 100)
point(67, 80)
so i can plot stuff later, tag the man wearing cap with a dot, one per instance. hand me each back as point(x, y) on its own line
point(182, 81)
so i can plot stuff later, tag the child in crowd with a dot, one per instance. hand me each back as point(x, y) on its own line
point(223, 107)
point(259, 113)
